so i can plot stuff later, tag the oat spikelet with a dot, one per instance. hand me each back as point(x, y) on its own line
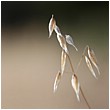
point(63, 61)
point(75, 85)
point(90, 66)
point(57, 30)
point(69, 40)
point(93, 59)
point(57, 80)
point(52, 24)
point(62, 42)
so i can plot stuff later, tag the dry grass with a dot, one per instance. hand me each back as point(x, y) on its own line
point(90, 59)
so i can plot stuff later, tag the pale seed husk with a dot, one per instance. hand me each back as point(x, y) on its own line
point(57, 30)
point(90, 66)
point(93, 59)
point(57, 80)
point(69, 40)
point(63, 61)
point(76, 86)
point(62, 43)
point(52, 25)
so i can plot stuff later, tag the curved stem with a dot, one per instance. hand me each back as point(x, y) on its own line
point(85, 98)
point(71, 64)
point(81, 57)
point(79, 63)
point(77, 69)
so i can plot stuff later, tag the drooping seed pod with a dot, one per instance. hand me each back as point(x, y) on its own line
point(57, 80)
point(63, 61)
point(69, 40)
point(76, 85)
point(62, 42)
point(57, 30)
point(93, 59)
point(52, 24)
point(90, 66)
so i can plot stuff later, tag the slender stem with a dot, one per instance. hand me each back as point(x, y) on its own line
point(74, 73)
point(85, 98)
point(79, 63)
point(71, 64)
point(81, 57)
point(67, 72)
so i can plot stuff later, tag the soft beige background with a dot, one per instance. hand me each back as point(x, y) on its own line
point(29, 66)
point(30, 62)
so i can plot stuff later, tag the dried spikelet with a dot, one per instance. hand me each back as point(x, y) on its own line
point(63, 61)
point(57, 80)
point(62, 42)
point(69, 40)
point(57, 30)
point(90, 66)
point(93, 59)
point(75, 85)
point(52, 24)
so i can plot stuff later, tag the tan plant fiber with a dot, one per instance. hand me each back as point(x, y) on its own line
point(93, 59)
point(63, 61)
point(52, 25)
point(89, 58)
point(90, 66)
point(57, 80)
point(75, 85)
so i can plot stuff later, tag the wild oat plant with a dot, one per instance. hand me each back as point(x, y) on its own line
point(88, 55)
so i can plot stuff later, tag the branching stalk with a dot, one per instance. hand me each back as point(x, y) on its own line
point(81, 57)
point(62, 40)
point(74, 73)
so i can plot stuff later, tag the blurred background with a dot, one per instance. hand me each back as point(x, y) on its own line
point(30, 61)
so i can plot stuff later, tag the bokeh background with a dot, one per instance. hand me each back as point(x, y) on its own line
point(30, 61)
